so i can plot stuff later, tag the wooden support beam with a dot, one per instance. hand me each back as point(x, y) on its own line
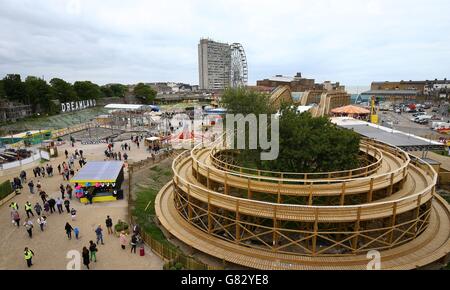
point(189, 202)
point(249, 192)
point(207, 179)
point(238, 225)
point(370, 194)
point(394, 220)
point(279, 192)
point(357, 227)
point(310, 199)
point(342, 201)
point(209, 214)
point(226, 184)
point(275, 229)
point(417, 215)
point(391, 186)
point(316, 228)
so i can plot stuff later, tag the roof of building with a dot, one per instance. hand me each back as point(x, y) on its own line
point(98, 171)
point(125, 106)
point(391, 92)
point(386, 135)
point(284, 79)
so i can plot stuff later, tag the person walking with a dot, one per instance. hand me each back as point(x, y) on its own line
point(52, 203)
point(123, 240)
point(62, 189)
point(59, 169)
point(86, 257)
point(69, 191)
point(15, 217)
point(109, 224)
point(66, 153)
point(93, 251)
point(38, 208)
point(28, 210)
point(31, 186)
point(67, 205)
point(59, 205)
point(133, 243)
point(43, 171)
point(69, 230)
point(43, 196)
point(23, 176)
point(28, 256)
point(29, 227)
point(38, 185)
point(42, 221)
point(76, 231)
point(73, 213)
point(99, 233)
point(14, 206)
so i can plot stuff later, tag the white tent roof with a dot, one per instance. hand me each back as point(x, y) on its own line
point(151, 139)
point(124, 106)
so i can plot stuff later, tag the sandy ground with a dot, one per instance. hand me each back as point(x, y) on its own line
point(52, 245)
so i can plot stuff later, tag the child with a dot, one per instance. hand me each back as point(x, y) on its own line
point(73, 212)
point(76, 230)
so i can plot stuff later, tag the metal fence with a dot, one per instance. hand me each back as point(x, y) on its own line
point(168, 254)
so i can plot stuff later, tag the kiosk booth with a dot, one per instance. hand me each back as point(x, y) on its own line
point(99, 181)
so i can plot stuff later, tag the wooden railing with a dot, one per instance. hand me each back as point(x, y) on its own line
point(167, 253)
point(303, 212)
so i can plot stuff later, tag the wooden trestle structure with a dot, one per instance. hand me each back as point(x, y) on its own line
point(276, 220)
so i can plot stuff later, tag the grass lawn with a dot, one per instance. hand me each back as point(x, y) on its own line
point(145, 217)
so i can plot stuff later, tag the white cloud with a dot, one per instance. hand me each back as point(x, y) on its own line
point(351, 41)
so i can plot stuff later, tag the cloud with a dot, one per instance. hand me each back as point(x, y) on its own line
point(351, 41)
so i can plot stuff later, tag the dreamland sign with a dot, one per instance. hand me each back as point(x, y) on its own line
point(76, 106)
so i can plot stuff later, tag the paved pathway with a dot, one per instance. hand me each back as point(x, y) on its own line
point(52, 245)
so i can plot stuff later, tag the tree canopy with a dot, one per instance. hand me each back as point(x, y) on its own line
point(41, 95)
point(144, 92)
point(306, 144)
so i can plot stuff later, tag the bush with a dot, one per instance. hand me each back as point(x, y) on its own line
point(179, 266)
point(5, 189)
point(121, 226)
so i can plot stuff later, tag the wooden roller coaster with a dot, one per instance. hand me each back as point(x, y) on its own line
point(276, 220)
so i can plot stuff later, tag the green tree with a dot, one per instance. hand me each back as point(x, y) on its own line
point(118, 90)
point(307, 144)
point(144, 92)
point(2, 90)
point(39, 94)
point(107, 92)
point(14, 88)
point(87, 90)
point(63, 91)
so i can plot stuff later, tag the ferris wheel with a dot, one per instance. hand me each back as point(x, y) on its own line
point(239, 68)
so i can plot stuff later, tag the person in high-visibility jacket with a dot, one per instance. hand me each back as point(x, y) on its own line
point(28, 255)
point(28, 208)
point(14, 206)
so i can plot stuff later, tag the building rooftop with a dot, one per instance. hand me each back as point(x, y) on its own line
point(405, 141)
point(98, 171)
point(391, 92)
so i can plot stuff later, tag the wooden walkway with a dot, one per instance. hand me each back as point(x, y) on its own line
point(409, 224)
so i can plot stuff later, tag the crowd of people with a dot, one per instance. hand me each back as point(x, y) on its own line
point(41, 212)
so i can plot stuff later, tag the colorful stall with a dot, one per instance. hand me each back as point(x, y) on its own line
point(99, 181)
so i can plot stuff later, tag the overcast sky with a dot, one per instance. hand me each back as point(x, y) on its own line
point(351, 41)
